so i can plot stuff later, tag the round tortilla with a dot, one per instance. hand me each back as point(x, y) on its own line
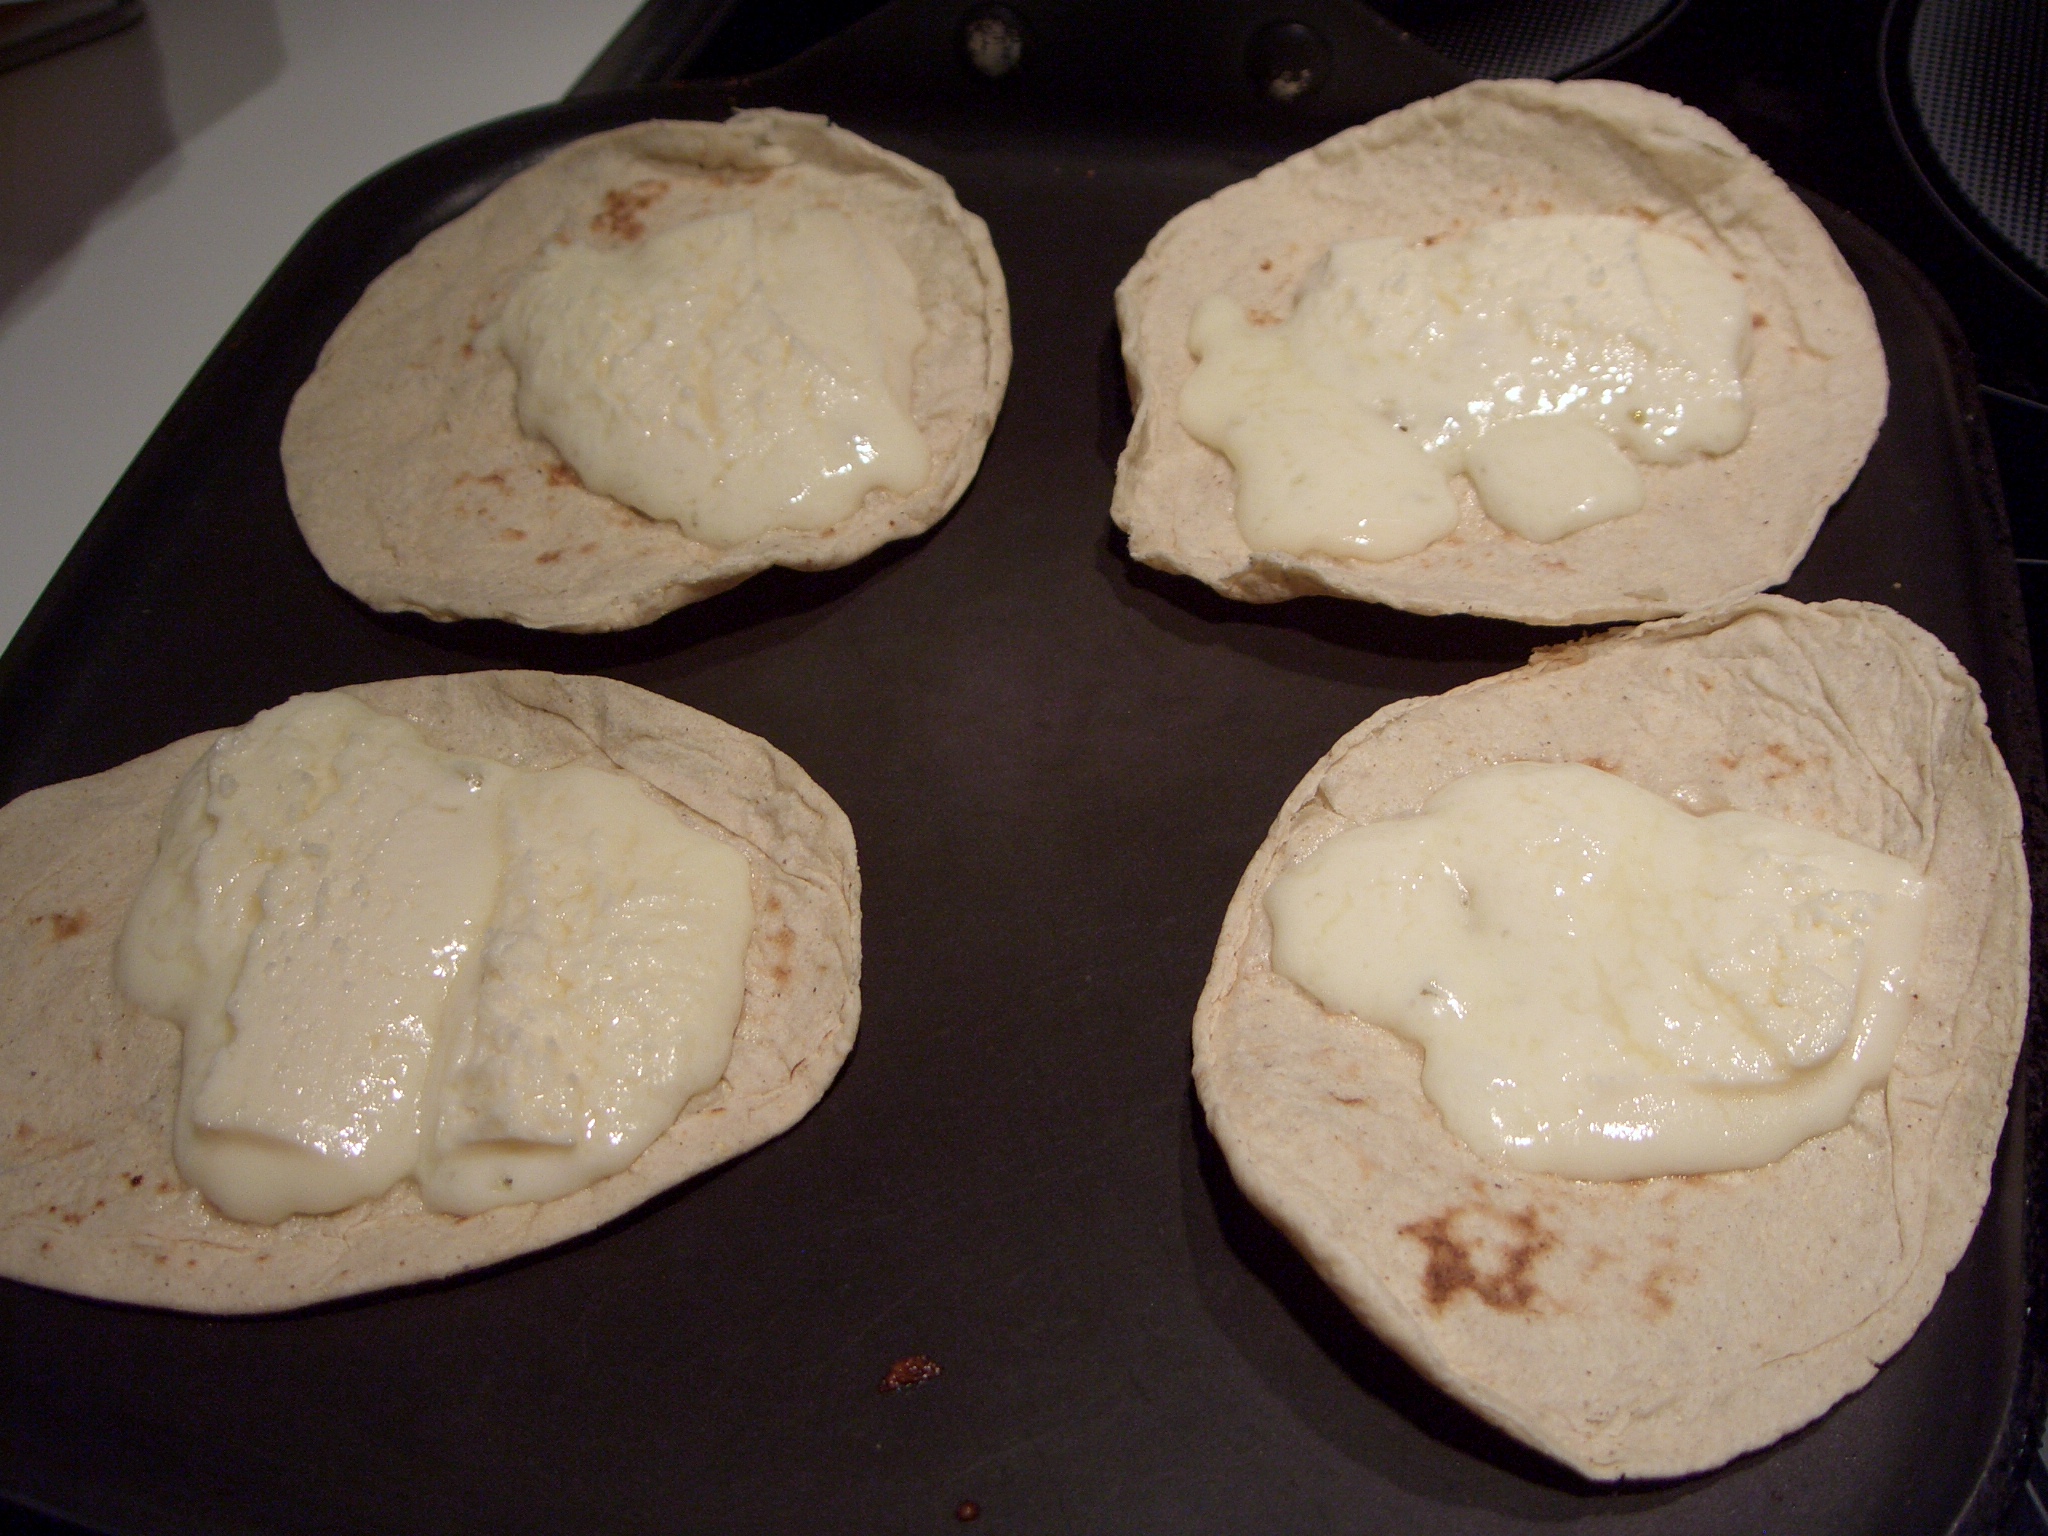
point(1710, 531)
point(90, 1200)
point(404, 459)
point(1660, 1326)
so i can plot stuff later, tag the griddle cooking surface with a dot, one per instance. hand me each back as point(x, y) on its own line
point(1057, 764)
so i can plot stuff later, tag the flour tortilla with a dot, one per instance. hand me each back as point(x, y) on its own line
point(404, 460)
point(90, 1200)
point(1711, 530)
point(1661, 1326)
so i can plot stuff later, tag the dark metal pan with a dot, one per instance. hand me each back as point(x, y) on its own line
point(1057, 764)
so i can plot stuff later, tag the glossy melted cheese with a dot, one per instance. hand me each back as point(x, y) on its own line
point(1603, 985)
point(1541, 357)
point(391, 961)
point(735, 374)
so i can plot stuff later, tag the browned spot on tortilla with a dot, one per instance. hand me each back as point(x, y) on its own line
point(1792, 764)
point(1706, 685)
point(97, 1054)
point(46, 1246)
point(562, 474)
point(1552, 563)
point(1464, 1255)
point(1758, 322)
point(72, 1218)
point(164, 1186)
point(1729, 762)
point(1656, 1286)
point(589, 548)
point(262, 1258)
point(191, 1263)
point(780, 975)
point(549, 558)
point(1603, 764)
point(1264, 317)
point(771, 903)
point(1597, 1259)
point(623, 206)
point(99, 1205)
point(1266, 265)
point(493, 478)
point(468, 351)
point(511, 535)
point(135, 1181)
point(1641, 213)
point(910, 1371)
point(1739, 277)
point(783, 940)
point(1543, 205)
point(65, 925)
point(163, 1258)
point(1429, 240)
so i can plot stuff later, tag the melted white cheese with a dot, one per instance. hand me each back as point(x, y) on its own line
point(611, 983)
point(392, 961)
point(1403, 362)
point(734, 374)
point(1605, 986)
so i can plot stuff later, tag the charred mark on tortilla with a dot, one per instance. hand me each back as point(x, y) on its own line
point(1462, 1256)
point(65, 925)
point(620, 217)
point(1655, 1286)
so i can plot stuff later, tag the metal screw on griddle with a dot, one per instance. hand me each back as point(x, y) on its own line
point(1287, 60)
point(992, 40)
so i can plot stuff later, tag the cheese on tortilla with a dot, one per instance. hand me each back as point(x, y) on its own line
point(1529, 352)
point(734, 374)
point(1652, 1327)
point(1711, 529)
point(1604, 986)
point(392, 961)
point(90, 1198)
point(404, 458)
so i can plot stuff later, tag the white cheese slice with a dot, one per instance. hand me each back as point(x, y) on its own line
point(1603, 985)
point(1634, 338)
point(737, 373)
point(1303, 449)
point(391, 961)
point(611, 986)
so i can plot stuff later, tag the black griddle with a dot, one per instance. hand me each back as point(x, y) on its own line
point(1057, 764)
